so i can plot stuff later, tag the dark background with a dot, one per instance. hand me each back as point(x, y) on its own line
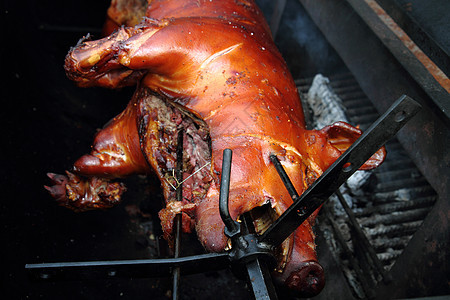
point(47, 123)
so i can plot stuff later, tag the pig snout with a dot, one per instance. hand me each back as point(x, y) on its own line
point(308, 279)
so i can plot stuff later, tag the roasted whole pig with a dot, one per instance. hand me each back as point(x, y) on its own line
point(211, 69)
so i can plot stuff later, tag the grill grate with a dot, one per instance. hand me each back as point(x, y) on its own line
point(391, 207)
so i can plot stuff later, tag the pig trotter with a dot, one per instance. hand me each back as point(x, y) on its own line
point(81, 194)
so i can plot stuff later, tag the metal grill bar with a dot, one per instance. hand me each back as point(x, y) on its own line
point(393, 185)
point(394, 230)
point(357, 95)
point(356, 102)
point(385, 257)
point(395, 243)
point(346, 89)
point(396, 206)
point(407, 170)
point(395, 164)
point(383, 197)
point(365, 119)
point(397, 218)
point(360, 110)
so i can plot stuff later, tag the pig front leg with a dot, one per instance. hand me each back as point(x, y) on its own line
point(116, 153)
point(81, 194)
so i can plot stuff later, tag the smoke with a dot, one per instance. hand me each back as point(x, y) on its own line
point(301, 43)
point(304, 32)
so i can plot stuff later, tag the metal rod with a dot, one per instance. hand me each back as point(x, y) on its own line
point(260, 280)
point(232, 227)
point(349, 255)
point(179, 167)
point(284, 177)
point(257, 270)
point(139, 268)
point(178, 217)
point(347, 164)
point(176, 281)
point(364, 261)
point(367, 247)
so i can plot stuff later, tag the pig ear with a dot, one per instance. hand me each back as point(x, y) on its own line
point(342, 135)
